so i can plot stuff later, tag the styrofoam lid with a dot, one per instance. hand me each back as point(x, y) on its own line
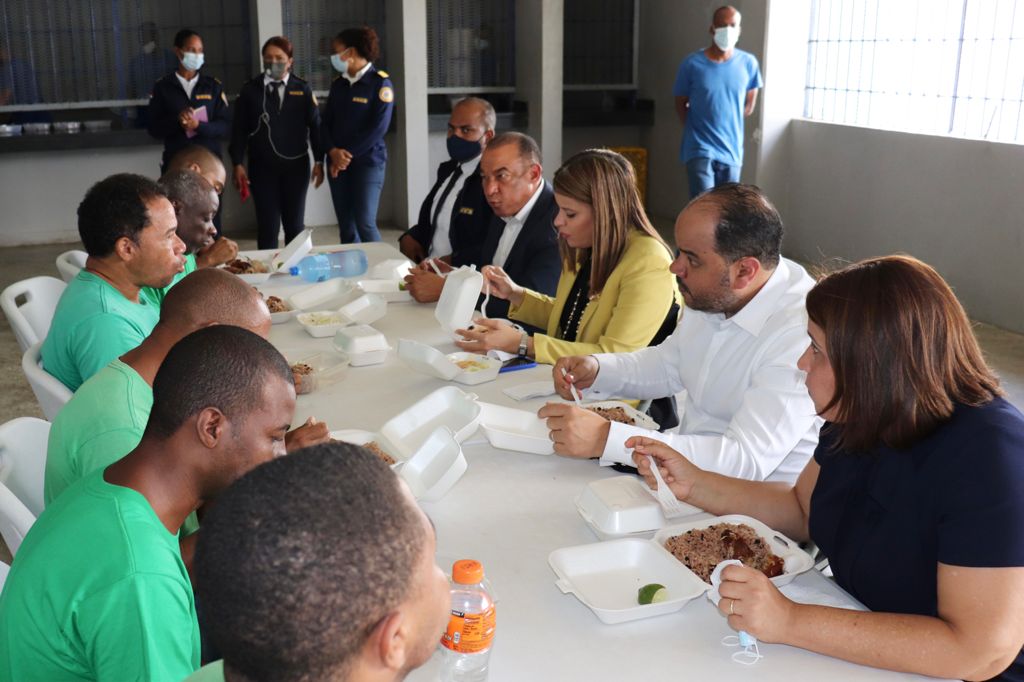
point(458, 299)
point(364, 309)
point(426, 359)
point(620, 506)
point(297, 249)
point(328, 294)
point(360, 338)
point(391, 269)
point(435, 467)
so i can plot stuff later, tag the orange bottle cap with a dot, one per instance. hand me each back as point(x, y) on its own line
point(467, 571)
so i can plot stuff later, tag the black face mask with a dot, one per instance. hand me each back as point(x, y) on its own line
point(463, 150)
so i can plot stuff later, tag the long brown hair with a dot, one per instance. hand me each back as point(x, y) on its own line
point(902, 351)
point(605, 181)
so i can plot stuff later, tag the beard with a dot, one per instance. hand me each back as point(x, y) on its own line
point(720, 299)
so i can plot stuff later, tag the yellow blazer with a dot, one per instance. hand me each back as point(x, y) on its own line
point(624, 317)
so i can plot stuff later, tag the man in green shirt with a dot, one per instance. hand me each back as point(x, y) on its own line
point(98, 590)
point(306, 618)
point(127, 226)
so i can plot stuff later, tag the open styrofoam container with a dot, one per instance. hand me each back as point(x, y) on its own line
point(456, 410)
point(321, 323)
point(364, 309)
point(622, 506)
point(428, 360)
point(330, 294)
point(394, 269)
point(363, 345)
point(294, 251)
point(458, 299)
point(255, 278)
point(361, 437)
point(390, 290)
point(640, 419)
point(605, 576)
point(508, 428)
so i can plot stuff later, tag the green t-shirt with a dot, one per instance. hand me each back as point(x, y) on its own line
point(98, 591)
point(102, 423)
point(93, 324)
point(211, 672)
point(156, 296)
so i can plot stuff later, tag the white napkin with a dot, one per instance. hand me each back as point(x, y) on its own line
point(716, 580)
point(531, 389)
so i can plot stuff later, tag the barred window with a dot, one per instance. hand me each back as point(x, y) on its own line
point(470, 46)
point(600, 48)
point(952, 67)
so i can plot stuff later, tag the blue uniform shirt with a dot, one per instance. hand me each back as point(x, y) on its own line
point(357, 117)
point(718, 94)
point(294, 128)
point(168, 99)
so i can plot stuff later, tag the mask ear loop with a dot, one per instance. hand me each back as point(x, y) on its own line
point(750, 654)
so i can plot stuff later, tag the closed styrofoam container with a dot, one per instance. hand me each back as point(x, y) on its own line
point(394, 269)
point(458, 299)
point(618, 507)
point(508, 428)
point(363, 344)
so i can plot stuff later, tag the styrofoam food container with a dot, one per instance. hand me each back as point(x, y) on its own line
point(458, 299)
point(390, 289)
point(363, 344)
point(508, 428)
point(294, 251)
point(447, 406)
point(361, 437)
point(618, 507)
point(331, 293)
point(364, 309)
point(321, 323)
point(282, 317)
point(256, 277)
point(328, 367)
point(640, 419)
point(429, 360)
point(797, 561)
point(606, 576)
point(394, 269)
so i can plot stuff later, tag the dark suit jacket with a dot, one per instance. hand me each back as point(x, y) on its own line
point(534, 261)
point(470, 217)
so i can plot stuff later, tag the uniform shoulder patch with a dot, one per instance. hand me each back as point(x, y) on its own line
point(383, 74)
point(387, 94)
point(315, 103)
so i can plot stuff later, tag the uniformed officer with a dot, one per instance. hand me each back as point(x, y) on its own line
point(186, 107)
point(277, 120)
point(356, 118)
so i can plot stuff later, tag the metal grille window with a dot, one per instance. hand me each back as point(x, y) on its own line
point(600, 44)
point(470, 46)
point(312, 24)
point(60, 55)
point(951, 67)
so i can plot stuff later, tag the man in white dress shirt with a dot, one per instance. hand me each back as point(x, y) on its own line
point(746, 412)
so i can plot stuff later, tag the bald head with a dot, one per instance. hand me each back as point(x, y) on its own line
point(211, 296)
point(726, 15)
point(479, 108)
point(201, 160)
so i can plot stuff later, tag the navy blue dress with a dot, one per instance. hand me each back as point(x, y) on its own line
point(886, 518)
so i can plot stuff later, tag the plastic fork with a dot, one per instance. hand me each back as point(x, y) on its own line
point(670, 506)
point(434, 267)
point(573, 390)
point(487, 298)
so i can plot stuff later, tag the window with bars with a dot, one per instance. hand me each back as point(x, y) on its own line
point(98, 53)
point(312, 24)
point(947, 67)
point(600, 44)
point(471, 46)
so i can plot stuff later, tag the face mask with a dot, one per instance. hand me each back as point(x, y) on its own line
point(192, 61)
point(275, 70)
point(727, 37)
point(338, 63)
point(462, 150)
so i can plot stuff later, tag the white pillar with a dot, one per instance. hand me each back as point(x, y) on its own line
point(539, 46)
point(269, 21)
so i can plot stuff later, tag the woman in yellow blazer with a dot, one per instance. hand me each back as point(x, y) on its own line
point(615, 293)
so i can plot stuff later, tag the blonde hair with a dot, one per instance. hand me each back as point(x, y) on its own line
point(605, 181)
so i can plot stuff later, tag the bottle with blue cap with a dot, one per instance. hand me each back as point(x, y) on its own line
point(323, 266)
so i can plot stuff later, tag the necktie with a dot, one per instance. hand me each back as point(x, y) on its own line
point(275, 94)
point(456, 174)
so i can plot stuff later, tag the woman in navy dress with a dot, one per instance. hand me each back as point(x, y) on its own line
point(357, 116)
point(915, 493)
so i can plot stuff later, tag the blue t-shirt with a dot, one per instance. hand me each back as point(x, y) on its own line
point(718, 94)
point(886, 518)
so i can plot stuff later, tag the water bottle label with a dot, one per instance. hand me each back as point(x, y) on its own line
point(469, 633)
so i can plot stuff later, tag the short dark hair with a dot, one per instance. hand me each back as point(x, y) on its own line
point(748, 223)
point(185, 187)
point(527, 147)
point(182, 36)
point(114, 208)
point(281, 42)
point(291, 585)
point(363, 40)
point(221, 366)
point(212, 295)
point(902, 351)
point(194, 153)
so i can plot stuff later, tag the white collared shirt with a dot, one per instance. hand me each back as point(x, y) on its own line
point(267, 80)
point(513, 226)
point(189, 85)
point(441, 244)
point(746, 413)
point(359, 74)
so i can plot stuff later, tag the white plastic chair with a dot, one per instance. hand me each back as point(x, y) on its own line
point(4, 570)
point(15, 519)
point(70, 263)
point(49, 391)
point(22, 467)
point(29, 306)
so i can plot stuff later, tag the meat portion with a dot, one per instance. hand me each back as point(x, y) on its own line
point(302, 375)
point(615, 414)
point(245, 266)
point(704, 548)
point(376, 449)
point(276, 304)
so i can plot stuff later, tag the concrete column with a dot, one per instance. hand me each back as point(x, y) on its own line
point(539, 46)
point(407, 59)
point(269, 21)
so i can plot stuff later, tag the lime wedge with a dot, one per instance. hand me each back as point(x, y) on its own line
point(651, 594)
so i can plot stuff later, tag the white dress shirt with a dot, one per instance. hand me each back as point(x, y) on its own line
point(747, 412)
point(359, 74)
point(267, 80)
point(189, 85)
point(441, 244)
point(513, 226)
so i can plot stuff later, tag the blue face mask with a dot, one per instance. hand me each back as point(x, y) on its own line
point(339, 64)
point(462, 150)
point(192, 61)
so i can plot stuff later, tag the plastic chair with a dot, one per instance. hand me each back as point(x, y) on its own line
point(4, 570)
point(15, 519)
point(22, 466)
point(70, 263)
point(49, 391)
point(30, 318)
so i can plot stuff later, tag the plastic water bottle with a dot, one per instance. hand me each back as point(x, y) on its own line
point(321, 266)
point(467, 641)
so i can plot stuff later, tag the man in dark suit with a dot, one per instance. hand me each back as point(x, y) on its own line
point(520, 236)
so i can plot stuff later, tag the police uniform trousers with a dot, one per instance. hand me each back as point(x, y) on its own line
point(278, 189)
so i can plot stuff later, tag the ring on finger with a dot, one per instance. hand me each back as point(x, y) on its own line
point(732, 607)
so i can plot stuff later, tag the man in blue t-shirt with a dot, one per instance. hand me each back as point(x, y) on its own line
point(715, 89)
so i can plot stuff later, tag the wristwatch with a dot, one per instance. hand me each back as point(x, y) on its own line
point(523, 344)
